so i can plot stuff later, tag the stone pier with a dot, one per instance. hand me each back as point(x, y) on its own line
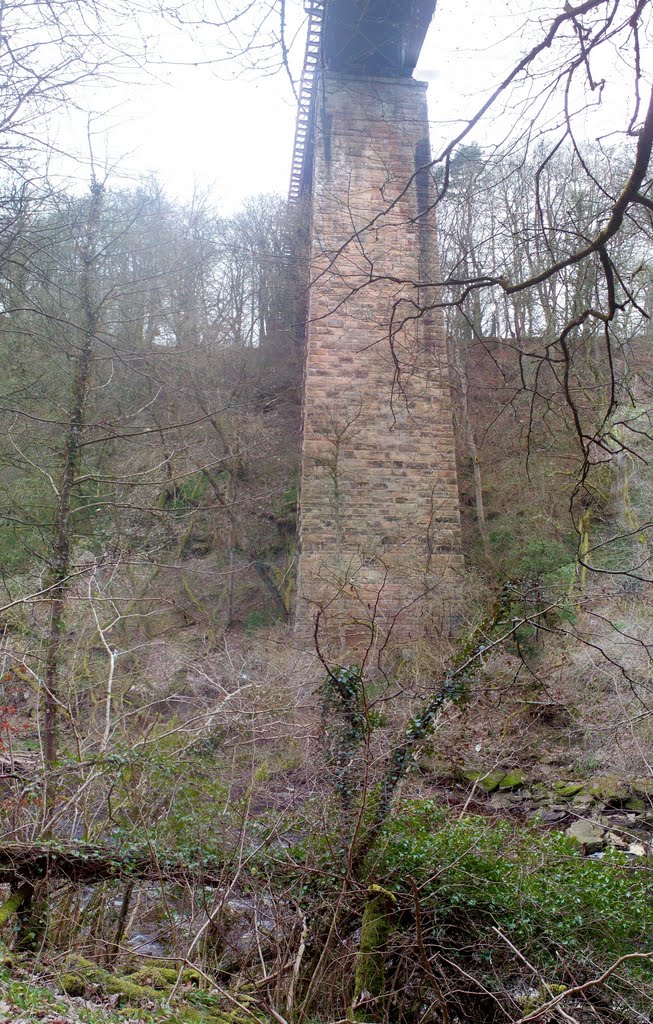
point(379, 518)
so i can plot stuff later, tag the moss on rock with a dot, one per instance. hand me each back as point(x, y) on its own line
point(112, 984)
point(513, 779)
point(73, 985)
point(487, 781)
point(567, 790)
point(539, 791)
point(633, 803)
point(163, 978)
point(610, 789)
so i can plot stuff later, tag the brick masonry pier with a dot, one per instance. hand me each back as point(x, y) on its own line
point(379, 520)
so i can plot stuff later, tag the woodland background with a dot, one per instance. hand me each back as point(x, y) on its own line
point(201, 819)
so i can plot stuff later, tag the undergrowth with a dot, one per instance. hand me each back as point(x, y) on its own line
point(476, 875)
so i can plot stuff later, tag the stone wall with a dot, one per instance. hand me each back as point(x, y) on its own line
point(379, 520)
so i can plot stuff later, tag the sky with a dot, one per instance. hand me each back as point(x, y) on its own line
point(197, 122)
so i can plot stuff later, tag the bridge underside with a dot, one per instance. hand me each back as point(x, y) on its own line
point(375, 37)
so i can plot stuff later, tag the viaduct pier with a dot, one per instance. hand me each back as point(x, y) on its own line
point(379, 517)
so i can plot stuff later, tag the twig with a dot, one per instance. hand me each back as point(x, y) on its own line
point(575, 989)
point(426, 963)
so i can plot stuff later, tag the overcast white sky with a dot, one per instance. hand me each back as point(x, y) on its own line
point(208, 125)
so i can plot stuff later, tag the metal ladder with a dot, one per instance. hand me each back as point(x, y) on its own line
point(315, 11)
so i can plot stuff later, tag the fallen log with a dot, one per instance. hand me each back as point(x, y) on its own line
point(85, 862)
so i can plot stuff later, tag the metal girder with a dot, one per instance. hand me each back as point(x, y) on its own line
point(375, 37)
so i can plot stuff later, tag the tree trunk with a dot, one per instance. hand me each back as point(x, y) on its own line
point(369, 981)
point(472, 448)
point(59, 576)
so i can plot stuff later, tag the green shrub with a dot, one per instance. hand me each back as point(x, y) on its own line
point(193, 489)
point(529, 557)
point(180, 497)
point(258, 619)
point(286, 510)
point(542, 556)
point(532, 884)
